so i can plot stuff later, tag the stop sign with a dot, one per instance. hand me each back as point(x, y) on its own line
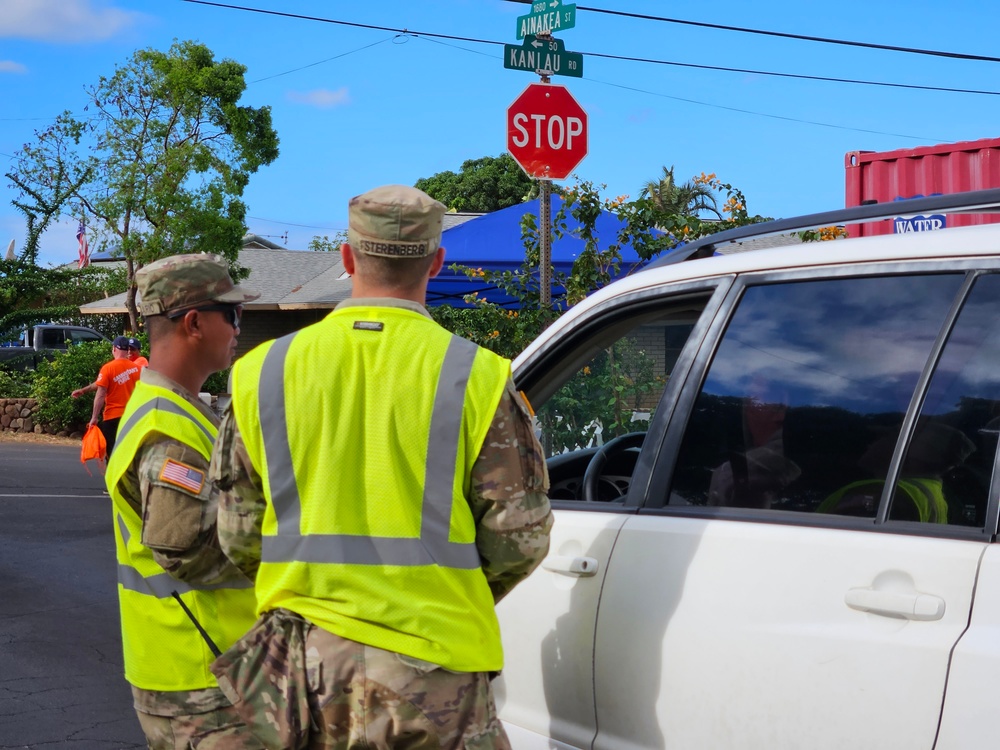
point(547, 131)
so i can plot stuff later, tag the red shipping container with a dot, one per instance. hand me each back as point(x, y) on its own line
point(887, 176)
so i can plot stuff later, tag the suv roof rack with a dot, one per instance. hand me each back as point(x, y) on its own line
point(974, 201)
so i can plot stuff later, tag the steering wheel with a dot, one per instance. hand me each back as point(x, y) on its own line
point(599, 459)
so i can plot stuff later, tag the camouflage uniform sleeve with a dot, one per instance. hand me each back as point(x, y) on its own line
point(178, 513)
point(240, 493)
point(509, 501)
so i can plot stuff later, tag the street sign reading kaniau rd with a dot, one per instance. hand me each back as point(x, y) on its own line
point(545, 18)
point(547, 131)
point(543, 56)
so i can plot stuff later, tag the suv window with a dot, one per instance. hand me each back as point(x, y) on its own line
point(805, 397)
point(609, 390)
point(946, 470)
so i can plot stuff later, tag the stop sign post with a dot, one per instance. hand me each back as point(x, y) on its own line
point(547, 131)
point(547, 136)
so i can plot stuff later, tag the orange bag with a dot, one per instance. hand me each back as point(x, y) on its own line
point(94, 447)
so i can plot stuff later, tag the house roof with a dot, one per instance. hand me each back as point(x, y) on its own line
point(453, 219)
point(286, 280)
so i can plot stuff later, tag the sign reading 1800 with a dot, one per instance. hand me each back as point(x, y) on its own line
point(544, 56)
point(546, 17)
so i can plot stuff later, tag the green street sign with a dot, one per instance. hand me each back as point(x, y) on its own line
point(546, 17)
point(543, 56)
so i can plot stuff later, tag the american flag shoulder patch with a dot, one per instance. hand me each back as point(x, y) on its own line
point(182, 475)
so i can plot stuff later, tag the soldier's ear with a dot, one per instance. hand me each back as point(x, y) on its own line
point(191, 322)
point(347, 258)
point(438, 263)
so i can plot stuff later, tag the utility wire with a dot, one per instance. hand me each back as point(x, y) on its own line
point(431, 35)
point(320, 62)
point(290, 224)
point(723, 106)
point(783, 35)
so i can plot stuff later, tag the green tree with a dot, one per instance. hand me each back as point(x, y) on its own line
point(31, 294)
point(644, 225)
point(326, 244)
point(686, 199)
point(482, 185)
point(162, 157)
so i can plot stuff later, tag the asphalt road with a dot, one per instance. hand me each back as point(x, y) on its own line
point(61, 680)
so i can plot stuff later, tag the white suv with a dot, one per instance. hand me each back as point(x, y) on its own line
point(773, 475)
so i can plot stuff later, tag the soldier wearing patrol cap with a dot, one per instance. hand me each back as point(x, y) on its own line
point(181, 600)
point(380, 481)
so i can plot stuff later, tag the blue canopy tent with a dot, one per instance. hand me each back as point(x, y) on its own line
point(493, 242)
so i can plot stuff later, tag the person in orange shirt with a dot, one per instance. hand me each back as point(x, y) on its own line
point(115, 383)
point(135, 353)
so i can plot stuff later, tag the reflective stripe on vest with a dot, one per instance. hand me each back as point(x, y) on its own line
point(162, 585)
point(930, 510)
point(159, 404)
point(432, 547)
point(163, 650)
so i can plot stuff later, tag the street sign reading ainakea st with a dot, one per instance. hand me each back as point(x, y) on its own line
point(543, 56)
point(546, 17)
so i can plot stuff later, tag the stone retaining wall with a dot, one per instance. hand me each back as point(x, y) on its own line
point(18, 415)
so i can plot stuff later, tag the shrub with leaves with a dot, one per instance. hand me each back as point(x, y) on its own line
point(54, 381)
point(15, 384)
point(218, 382)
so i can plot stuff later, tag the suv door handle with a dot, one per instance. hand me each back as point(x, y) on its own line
point(894, 604)
point(582, 567)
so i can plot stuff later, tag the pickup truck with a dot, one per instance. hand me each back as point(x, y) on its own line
point(42, 342)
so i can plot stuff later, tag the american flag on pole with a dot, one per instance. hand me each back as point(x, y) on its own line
point(84, 250)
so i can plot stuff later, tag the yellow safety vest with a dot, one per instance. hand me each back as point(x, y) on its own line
point(364, 428)
point(163, 649)
point(927, 495)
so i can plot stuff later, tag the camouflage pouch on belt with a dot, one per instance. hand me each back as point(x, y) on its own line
point(264, 675)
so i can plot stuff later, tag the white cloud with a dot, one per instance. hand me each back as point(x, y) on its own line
point(63, 20)
point(321, 98)
point(9, 66)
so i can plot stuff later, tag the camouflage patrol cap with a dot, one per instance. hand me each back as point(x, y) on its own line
point(181, 282)
point(395, 221)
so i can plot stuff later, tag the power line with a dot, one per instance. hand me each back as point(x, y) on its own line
point(784, 35)
point(774, 117)
point(320, 62)
point(290, 224)
point(800, 76)
point(721, 106)
point(432, 36)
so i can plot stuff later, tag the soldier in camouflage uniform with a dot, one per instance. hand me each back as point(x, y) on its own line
point(165, 514)
point(303, 681)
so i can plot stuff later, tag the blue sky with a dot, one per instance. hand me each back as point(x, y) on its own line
point(355, 108)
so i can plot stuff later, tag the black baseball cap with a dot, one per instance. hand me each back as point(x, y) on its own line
point(120, 342)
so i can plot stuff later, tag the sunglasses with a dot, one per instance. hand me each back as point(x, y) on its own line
point(233, 313)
